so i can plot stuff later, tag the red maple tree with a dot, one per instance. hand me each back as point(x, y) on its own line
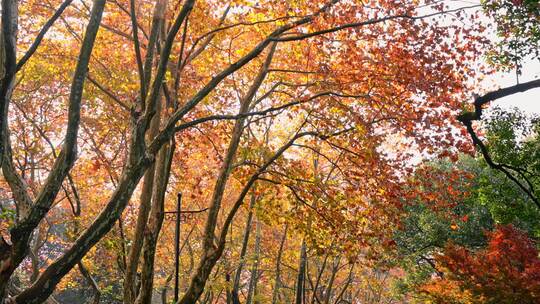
point(506, 271)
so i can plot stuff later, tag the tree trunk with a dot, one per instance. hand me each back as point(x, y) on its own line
point(164, 290)
point(211, 253)
point(33, 252)
point(139, 159)
point(8, 37)
point(163, 169)
point(301, 274)
point(314, 296)
point(142, 219)
point(11, 255)
point(277, 279)
point(8, 66)
point(130, 292)
point(241, 258)
point(252, 290)
point(346, 286)
point(91, 282)
point(330, 286)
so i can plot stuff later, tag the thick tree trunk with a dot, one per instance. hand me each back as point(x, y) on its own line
point(8, 64)
point(5, 273)
point(130, 292)
point(47, 281)
point(151, 235)
point(8, 49)
point(139, 160)
point(11, 255)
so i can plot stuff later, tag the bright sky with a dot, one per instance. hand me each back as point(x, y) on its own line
point(528, 101)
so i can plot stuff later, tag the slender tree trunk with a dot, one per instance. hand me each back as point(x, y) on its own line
point(229, 289)
point(130, 291)
point(346, 286)
point(277, 280)
point(164, 289)
point(91, 282)
point(212, 252)
point(330, 286)
point(301, 274)
point(122, 261)
point(33, 252)
point(317, 282)
point(252, 290)
point(241, 258)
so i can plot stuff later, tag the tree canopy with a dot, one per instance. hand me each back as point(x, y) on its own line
point(319, 151)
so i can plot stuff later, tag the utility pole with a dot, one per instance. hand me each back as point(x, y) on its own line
point(177, 247)
point(188, 214)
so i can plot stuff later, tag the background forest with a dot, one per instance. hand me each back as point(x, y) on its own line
point(323, 151)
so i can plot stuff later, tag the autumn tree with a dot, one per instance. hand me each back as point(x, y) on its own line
point(505, 272)
point(457, 205)
point(517, 26)
point(187, 92)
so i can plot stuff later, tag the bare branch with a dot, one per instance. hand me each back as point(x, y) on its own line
point(262, 112)
point(137, 47)
point(368, 22)
point(193, 54)
point(261, 170)
point(108, 93)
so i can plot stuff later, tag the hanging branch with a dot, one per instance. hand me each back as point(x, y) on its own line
point(468, 117)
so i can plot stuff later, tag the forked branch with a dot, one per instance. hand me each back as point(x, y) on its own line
point(468, 117)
